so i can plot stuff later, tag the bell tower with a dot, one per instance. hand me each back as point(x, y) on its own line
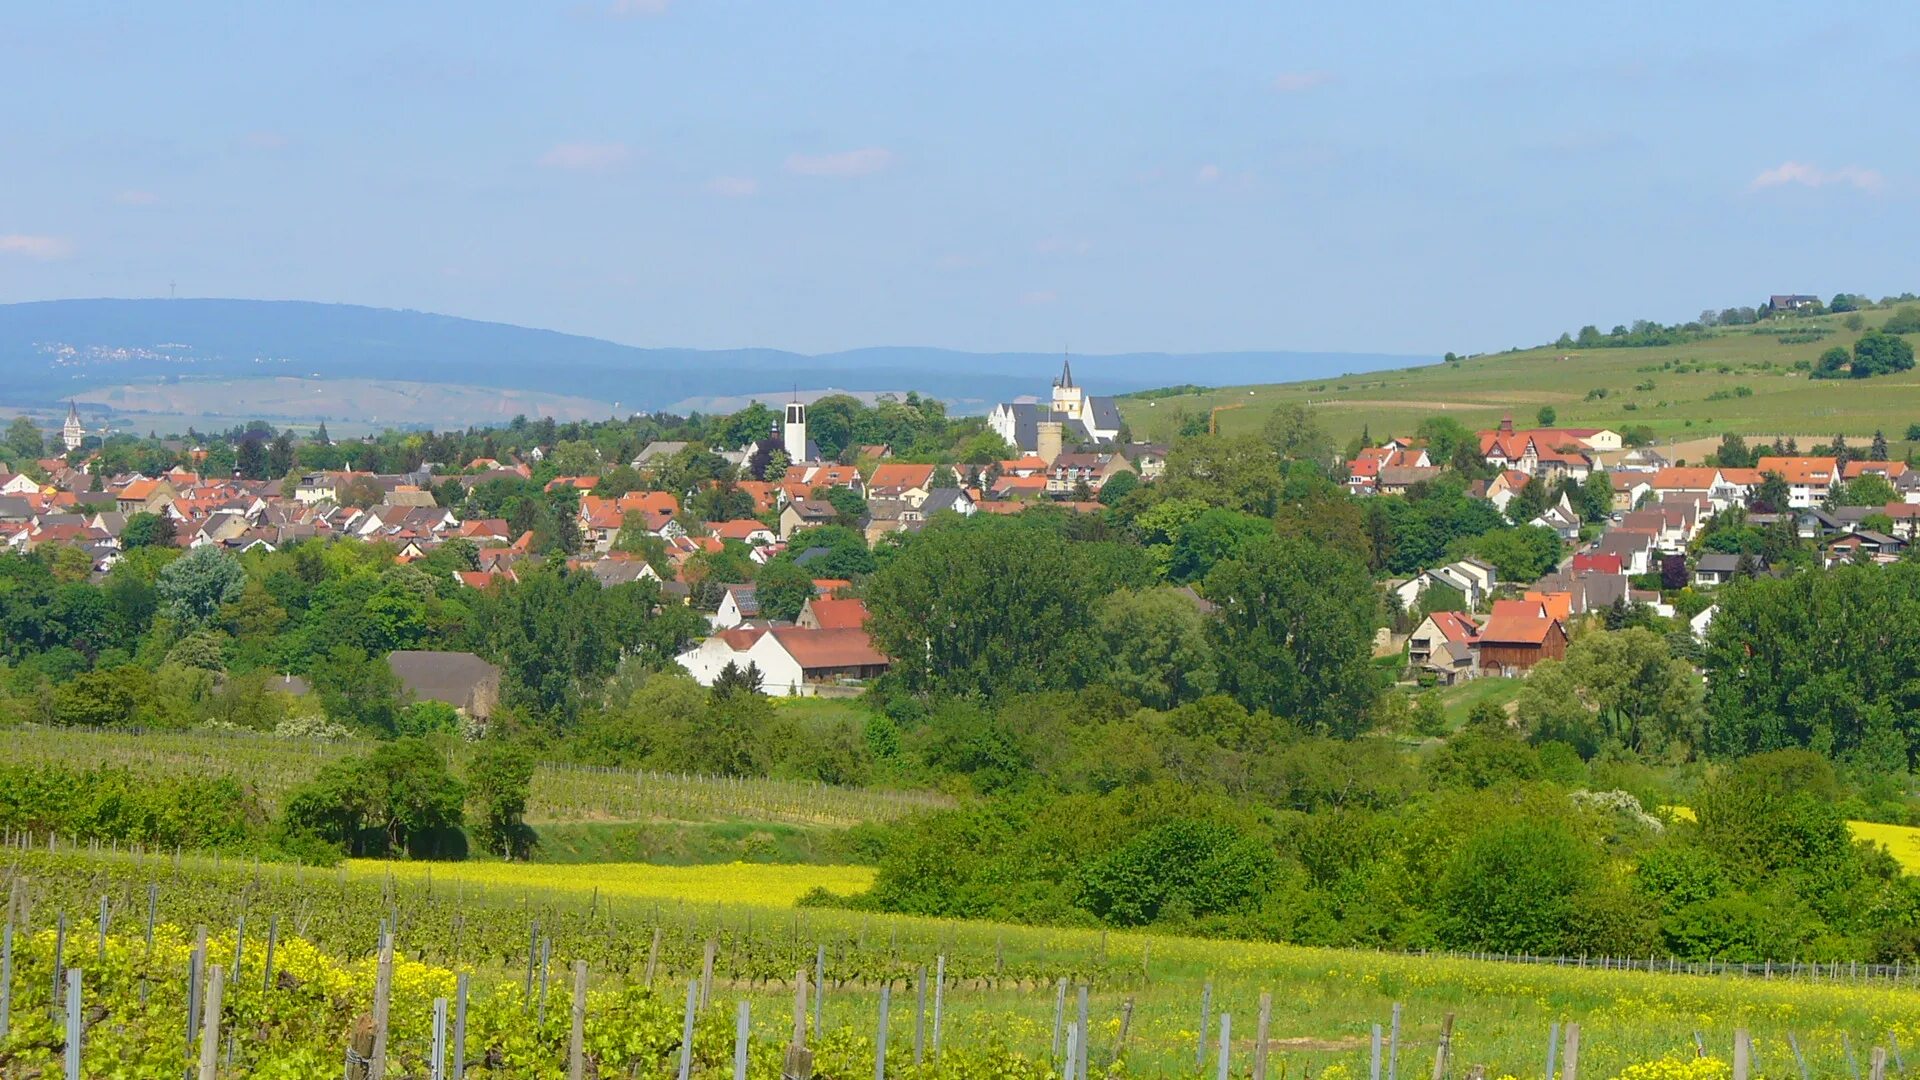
point(793, 435)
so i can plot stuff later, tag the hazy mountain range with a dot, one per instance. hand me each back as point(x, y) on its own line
point(124, 353)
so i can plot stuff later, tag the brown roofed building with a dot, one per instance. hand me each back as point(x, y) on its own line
point(460, 679)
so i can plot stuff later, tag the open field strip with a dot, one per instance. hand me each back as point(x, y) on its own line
point(759, 884)
point(272, 766)
point(1001, 989)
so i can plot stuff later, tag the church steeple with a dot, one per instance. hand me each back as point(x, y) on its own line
point(1066, 372)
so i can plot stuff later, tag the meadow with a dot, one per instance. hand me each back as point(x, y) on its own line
point(1170, 994)
point(1740, 379)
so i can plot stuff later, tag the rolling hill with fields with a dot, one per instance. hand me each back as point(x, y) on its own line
point(1753, 380)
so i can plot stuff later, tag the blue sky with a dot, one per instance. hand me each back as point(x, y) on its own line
point(1106, 177)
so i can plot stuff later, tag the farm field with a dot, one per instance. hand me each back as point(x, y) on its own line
point(1644, 386)
point(764, 885)
point(1902, 841)
point(998, 1005)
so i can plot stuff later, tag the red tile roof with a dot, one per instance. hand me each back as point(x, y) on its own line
point(819, 649)
point(900, 475)
point(838, 614)
point(1800, 470)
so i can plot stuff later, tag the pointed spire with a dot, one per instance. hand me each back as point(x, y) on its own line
point(1066, 369)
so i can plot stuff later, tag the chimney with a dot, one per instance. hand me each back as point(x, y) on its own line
point(1047, 434)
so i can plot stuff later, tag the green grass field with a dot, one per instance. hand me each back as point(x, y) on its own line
point(1325, 1002)
point(1700, 401)
point(1459, 699)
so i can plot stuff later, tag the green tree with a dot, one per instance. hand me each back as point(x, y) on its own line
point(1154, 643)
point(1520, 554)
point(1296, 435)
point(1878, 353)
point(358, 689)
point(1904, 320)
point(499, 785)
point(193, 587)
point(1118, 487)
point(1294, 631)
point(1733, 452)
point(1832, 363)
point(1644, 697)
point(1511, 887)
point(25, 441)
point(984, 607)
point(1528, 502)
point(147, 530)
point(1772, 496)
point(783, 588)
point(1867, 489)
point(399, 798)
point(555, 638)
point(1547, 416)
point(1236, 473)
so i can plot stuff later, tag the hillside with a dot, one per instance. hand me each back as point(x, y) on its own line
point(1738, 379)
point(54, 350)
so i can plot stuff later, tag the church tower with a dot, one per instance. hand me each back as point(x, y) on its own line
point(794, 433)
point(1068, 398)
point(73, 432)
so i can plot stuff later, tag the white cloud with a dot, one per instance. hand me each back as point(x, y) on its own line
point(625, 9)
point(1296, 82)
point(585, 155)
point(1207, 174)
point(1038, 297)
point(1813, 176)
point(860, 162)
point(136, 198)
point(35, 247)
point(733, 187)
point(264, 140)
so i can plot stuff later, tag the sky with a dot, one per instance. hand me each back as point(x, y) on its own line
point(993, 176)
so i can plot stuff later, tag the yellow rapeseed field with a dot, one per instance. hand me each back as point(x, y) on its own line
point(1902, 840)
point(757, 884)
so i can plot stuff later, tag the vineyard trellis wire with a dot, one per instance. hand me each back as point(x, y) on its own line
point(272, 765)
point(996, 985)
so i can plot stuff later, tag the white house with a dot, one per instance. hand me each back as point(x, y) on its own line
point(1472, 579)
point(793, 661)
point(738, 604)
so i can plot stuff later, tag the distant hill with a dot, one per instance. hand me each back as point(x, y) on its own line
point(1742, 379)
point(54, 349)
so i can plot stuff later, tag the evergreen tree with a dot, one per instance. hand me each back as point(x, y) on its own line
point(1878, 452)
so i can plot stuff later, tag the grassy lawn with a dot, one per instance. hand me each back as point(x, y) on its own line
point(1461, 698)
point(1644, 386)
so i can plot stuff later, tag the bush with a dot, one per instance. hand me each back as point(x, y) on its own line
point(1906, 320)
point(1512, 887)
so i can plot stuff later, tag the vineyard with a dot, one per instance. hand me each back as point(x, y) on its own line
point(298, 949)
point(271, 766)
